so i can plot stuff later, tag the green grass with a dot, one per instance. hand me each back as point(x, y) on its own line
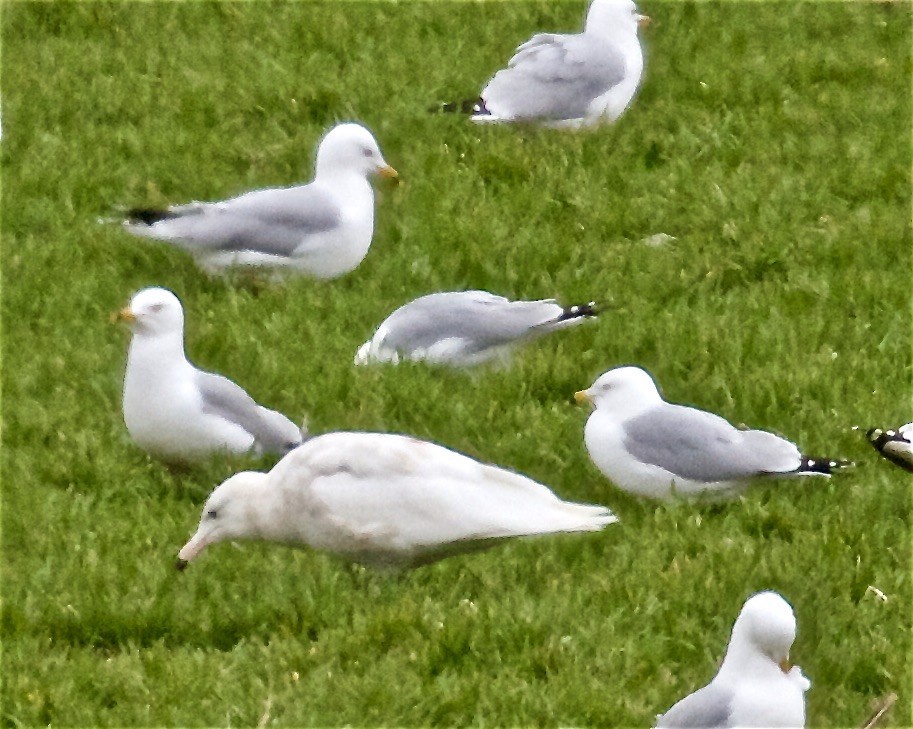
point(772, 140)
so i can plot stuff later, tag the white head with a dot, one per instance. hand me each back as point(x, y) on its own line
point(623, 392)
point(154, 312)
point(765, 627)
point(229, 513)
point(612, 16)
point(351, 148)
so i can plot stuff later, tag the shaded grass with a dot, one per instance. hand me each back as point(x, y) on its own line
point(772, 140)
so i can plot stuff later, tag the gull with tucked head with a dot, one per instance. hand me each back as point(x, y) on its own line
point(323, 229)
point(756, 685)
point(463, 328)
point(652, 448)
point(385, 500)
point(181, 414)
point(569, 80)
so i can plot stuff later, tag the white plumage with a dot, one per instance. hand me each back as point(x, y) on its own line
point(385, 499)
point(323, 229)
point(652, 448)
point(756, 686)
point(571, 80)
point(179, 413)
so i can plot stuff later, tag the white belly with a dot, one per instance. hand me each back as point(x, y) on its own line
point(605, 443)
point(165, 418)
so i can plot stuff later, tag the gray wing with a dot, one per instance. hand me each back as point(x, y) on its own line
point(554, 77)
point(272, 431)
point(707, 708)
point(274, 221)
point(477, 318)
point(701, 446)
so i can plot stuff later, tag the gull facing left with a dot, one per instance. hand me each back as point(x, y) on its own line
point(384, 500)
point(653, 448)
point(179, 413)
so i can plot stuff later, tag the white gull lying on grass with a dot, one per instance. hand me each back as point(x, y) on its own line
point(384, 500)
point(465, 327)
point(652, 448)
point(323, 229)
point(569, 80)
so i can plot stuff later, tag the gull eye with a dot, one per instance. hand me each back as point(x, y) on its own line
point(155, 308)
point(212, 514)
point(367, 152)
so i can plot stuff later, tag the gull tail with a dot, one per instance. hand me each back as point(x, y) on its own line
point(811, 466)
point(466, 106)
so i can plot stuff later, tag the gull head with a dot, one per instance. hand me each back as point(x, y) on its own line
point(351, 148)
point(766, 626)
point(153, 311)
point(227, 514)
point(623, 392)
point(609, 16)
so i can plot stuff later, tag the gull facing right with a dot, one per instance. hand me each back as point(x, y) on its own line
point(756, 686)
point(323, 229)
point(652, 448)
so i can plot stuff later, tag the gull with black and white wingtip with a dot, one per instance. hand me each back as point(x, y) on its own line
point(463, 328)
point(323, 229)
point(179, 413)
point(895, 445)
point(568, 80)
point(653, 448)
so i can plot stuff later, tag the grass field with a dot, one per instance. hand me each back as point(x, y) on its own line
point(772, 140)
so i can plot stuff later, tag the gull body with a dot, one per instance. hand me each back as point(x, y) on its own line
point(652, 448)
point(179, 413)
point(323, 229)
point(571, 80)
point(464, 328)
point(384, 500)
point(755, 686)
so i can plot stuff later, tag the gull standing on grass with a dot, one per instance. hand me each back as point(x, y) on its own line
point(179, 413)
point(384, 500)
point(464, 328)
point(652, 448)
point(323, 229)
point(756, 686)
point(569, 80)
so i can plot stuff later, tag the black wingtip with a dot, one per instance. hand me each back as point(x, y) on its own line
point(825, 466)
point(467, 106)
point(893, 446)
point(181, 564)
point(147, 216)
point(579, 310)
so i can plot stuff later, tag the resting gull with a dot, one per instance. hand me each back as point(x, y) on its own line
point(756, 686)
point(652, 448)
point(465, 327)
point(569, 80)
point(323, 229)
point(384, 500)
point(179, 413)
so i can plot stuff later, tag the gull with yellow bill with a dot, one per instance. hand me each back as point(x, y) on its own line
point(179, 413)
point(323, 229)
